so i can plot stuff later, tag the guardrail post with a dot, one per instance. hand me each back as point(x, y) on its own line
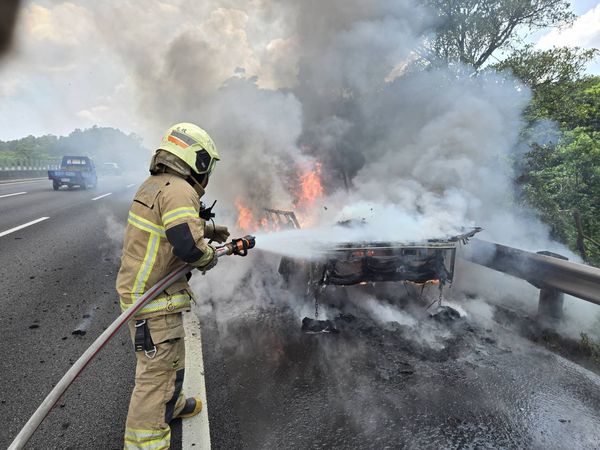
point(550, 305)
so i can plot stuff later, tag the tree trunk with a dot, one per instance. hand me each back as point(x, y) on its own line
point(580, 235)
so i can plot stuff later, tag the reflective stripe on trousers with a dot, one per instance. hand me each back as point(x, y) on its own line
point(136, 439)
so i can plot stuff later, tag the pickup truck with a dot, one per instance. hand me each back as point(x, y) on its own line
point(74, 171)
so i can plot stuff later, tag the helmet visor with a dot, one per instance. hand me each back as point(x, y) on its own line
point(204, 162)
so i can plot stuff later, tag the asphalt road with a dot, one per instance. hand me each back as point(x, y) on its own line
point(57, 277)
point(408, 383)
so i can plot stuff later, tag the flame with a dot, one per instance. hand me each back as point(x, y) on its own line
point(248, 222)
point(245, 220)
point(311, 188)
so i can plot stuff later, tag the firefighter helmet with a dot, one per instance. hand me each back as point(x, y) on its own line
point(193, 145)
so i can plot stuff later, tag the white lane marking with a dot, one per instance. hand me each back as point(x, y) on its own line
point(25, 225)
point(12, 195)
point(130, 185)
point(102, 196)
point(195, 430)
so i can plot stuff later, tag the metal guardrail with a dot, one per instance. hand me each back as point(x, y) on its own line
point(11, 169)
point(27, 164)
point(549, 273)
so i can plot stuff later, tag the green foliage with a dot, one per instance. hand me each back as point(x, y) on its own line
point(29, 147)
point(563, 177)
point(102, 144)
point(469, 31)
point(561, 91)
point(537, 68)
point(563, 173)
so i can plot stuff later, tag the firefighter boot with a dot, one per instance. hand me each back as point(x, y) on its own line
point(193, 406)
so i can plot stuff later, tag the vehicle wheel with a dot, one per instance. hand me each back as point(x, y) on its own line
point(84, 186)
point(55, 185)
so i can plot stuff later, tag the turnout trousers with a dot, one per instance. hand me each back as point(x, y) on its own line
point(157, 396)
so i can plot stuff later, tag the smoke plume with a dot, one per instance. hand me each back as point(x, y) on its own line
point(415, 151)
point(285, 85)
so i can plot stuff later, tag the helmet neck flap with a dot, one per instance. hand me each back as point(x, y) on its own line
point(165, 162)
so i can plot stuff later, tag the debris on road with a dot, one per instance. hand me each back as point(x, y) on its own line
point(445, 313)
point(314, 326)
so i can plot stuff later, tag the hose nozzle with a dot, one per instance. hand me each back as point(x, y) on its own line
point(239, 246)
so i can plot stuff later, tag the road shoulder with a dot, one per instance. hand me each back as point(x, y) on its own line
point(195, 430)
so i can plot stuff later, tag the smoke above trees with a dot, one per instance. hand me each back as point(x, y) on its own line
point(345, 88)
point(283, 85)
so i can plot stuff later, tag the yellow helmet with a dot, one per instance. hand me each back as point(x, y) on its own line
point(193, 145)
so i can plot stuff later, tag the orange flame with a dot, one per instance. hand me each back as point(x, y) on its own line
point(308, 192)
point(311, 188)
point(245, 220)
point(248, 222)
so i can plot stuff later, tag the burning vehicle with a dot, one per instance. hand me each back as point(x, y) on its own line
point(352, 261)
point(360, 263)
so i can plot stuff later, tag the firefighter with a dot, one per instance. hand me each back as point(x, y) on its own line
point(164, 230)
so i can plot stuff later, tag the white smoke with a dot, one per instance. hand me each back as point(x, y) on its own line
point(415, 153)
point(280, 84)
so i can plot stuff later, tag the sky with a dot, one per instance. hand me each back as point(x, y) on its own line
point(68, 71)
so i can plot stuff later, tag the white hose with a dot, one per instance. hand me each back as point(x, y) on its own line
point(40, 414)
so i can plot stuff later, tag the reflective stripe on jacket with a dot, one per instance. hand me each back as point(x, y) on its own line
point(164, 214)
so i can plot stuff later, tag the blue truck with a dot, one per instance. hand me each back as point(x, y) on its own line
point(74, 171)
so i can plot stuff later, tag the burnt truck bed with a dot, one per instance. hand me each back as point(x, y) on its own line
point(369, 262)
point(373, 262)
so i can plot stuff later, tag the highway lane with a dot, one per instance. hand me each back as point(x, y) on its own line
point(38, 199)
point(57, 277)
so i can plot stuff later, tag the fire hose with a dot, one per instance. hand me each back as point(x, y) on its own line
point(235, 247)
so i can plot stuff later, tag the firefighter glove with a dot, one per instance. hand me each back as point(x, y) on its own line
point(211, 262)
point(218, 233)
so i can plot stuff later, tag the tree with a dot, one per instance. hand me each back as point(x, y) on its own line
point(537, 68)
point(469, 31)
point(565, 177)
point(562, 91)
point(101, 143)
point(561, 174)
